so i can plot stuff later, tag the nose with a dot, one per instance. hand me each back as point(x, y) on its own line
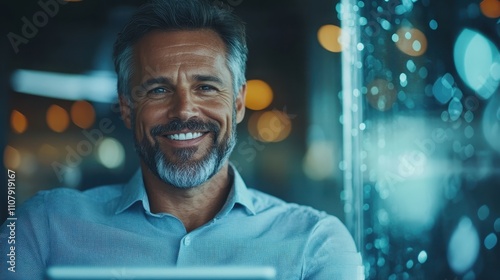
point(182, 106)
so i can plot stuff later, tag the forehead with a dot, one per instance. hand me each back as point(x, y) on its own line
point(199, 47)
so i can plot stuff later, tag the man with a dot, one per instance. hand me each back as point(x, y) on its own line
point(181, 85)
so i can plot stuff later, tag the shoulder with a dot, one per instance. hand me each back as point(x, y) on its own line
point(311, 219)
point(66, 198)
point(265, 202)
point(101, 193)
point(323, 234)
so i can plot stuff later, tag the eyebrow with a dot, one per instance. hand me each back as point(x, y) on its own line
point(167, 81)
point(208, 78)
point(157, 80)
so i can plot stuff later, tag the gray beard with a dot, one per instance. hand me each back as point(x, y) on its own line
point(187, 173)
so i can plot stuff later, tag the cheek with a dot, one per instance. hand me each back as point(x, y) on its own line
point(220, 111)
point(147, 116)
point(224, 116)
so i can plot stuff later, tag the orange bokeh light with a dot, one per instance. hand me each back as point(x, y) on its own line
point(259, 95)
point(57, 118)
point(490, 8)
point(18, 122)
point(411, 41)
point(11, 157)
point(381, 94)
point(273, 126)
point(82, 114)
point(329, 37)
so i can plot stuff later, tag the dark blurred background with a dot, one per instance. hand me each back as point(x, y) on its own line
point(426, 161)
point(78, 39)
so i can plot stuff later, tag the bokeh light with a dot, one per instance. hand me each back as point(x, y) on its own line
point(455, 109)
point(11, 158)
point(72, 176)
point(491, 122)
point(433, 24)
point(29, 163)
point(111, 153)
point(319, 162)
point(463, 247)
point(57, 118)
point(490, 8)
point(259, 95)
point(381, 94)
point(47, 154)
point(483, 212)
point(269, 126)
point(82, 114)
point(490, 241)
point(443, 88)
point(274, 126)
point(329, 37)
point(417, 203)
point(252, 124)
point(477, 61)
point(496, 225)
point(18, 122)
point(422, 257)
point(411, 41)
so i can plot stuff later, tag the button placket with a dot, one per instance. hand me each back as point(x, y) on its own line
point(187, 240)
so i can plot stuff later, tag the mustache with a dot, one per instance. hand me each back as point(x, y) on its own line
point(178, 125)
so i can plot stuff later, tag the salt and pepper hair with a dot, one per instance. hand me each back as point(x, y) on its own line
point(174, 15)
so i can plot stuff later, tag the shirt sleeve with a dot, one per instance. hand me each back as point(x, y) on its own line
point(331, 253)
point(30, 247)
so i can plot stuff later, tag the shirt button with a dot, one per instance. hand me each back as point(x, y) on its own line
point(187, 241)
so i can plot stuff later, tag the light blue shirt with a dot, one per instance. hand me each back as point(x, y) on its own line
point(113, 226)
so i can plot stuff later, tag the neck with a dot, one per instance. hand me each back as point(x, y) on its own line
point(193, 206)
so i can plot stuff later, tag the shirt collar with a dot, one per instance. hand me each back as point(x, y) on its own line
point(239, 194)
point(134, 191)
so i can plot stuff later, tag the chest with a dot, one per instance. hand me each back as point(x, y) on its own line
point(144, 244)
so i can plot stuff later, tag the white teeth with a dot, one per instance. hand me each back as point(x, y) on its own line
point(185, 136)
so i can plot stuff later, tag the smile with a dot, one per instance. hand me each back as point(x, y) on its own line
point(184, 136)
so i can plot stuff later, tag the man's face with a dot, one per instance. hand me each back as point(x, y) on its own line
point(183, 111)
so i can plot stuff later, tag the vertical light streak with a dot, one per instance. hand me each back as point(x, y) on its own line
point(352, 98)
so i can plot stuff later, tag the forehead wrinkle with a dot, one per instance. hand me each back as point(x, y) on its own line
point(190, 56)
point(196, 45)
point(200, 66)
point(196, 75)
point(171, 54)
point(184, 58)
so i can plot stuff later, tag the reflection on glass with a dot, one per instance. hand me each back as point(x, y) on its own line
point(431, 130)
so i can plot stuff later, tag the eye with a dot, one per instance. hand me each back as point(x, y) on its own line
point(158, 90)
point(207, 88)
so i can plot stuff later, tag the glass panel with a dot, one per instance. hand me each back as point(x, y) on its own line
point(421, 136)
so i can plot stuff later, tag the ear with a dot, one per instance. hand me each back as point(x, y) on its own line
point(126, 111)
point(240, 103)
